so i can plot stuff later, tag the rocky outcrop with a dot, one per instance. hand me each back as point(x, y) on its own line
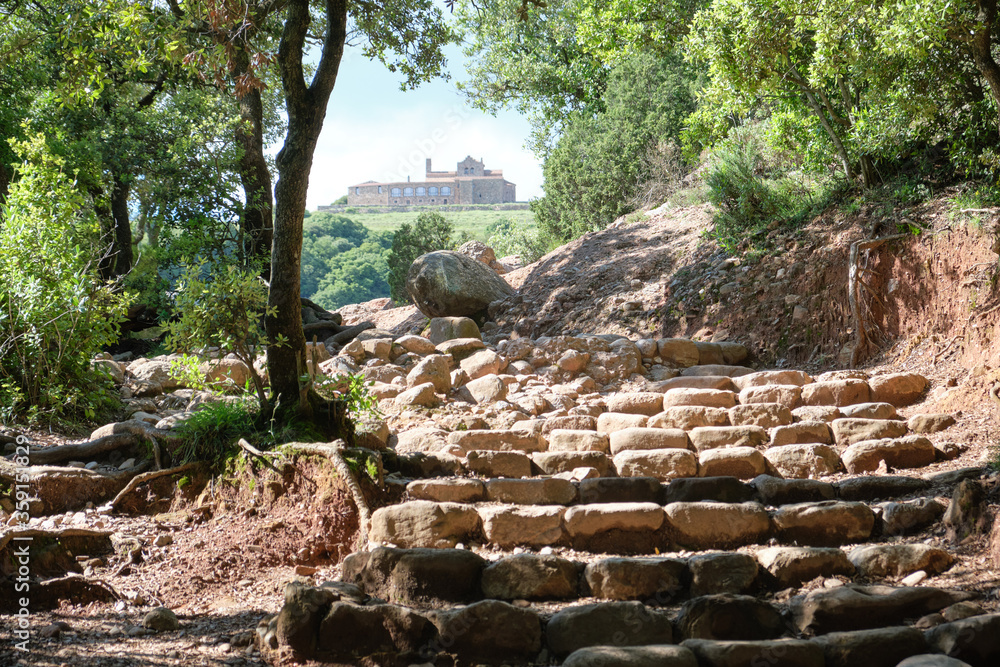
point(450, 284)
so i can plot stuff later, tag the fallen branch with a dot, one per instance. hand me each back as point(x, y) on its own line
point(322, 312)
point(350, 333)
point(322, 326)
point(147, 477)
point(125, 434)
point(947, 346)
point(47, 595)
point(334, 452)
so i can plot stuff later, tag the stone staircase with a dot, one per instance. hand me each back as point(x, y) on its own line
point(717, 518)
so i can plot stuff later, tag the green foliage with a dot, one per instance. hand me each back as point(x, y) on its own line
point(528, 55)
point(211, 432)
point(431, 232)
point(507, 237)
point(472, 220)
point(846, 88)
point(342, 261)
point(744, 198)
point(754, 190)
point(187, 371)
point(354, 391)
point(600, 164)
point(355, 276)
point(223, 310)
point(55, 312)
point(973, 201)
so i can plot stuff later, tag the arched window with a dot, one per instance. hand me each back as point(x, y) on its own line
point(421, 191)
point(446, 190)
point(380, 189)
point(408, 192)
point(432, 191)
point(396, 192)
point(466, 170)
point(357, 191)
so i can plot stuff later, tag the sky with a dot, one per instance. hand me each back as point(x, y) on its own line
point(376, 132)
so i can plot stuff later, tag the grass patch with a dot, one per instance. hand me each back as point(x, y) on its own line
point(974, 203)
point(210, 433)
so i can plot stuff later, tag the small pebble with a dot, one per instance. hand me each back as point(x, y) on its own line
point(913, 579)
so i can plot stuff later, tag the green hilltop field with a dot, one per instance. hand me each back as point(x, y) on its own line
point(473, 223)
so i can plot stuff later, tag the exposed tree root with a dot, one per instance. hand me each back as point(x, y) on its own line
point(335, 452)
point(47, 594)
point(862, 326)
point(253, 451)
point(65, 489)
point(146, 477)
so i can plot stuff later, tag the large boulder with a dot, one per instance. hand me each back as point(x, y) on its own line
point(449, 284)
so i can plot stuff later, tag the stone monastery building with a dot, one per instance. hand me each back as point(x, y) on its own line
point(470, 183)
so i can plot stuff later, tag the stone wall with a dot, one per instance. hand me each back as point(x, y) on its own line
point(368, 195)
point(471, 183)
point(465, 191)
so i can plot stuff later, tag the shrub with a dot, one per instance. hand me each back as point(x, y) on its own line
point(55, 312)
point(744, 198)
point(665, 168)
point(601, 164)
point(507, 237)
point(430, 232)
point(223, 309)
point(753, 186)
point(354, 391)
point(210, 433)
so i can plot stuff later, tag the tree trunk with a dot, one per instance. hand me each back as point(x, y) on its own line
point(982, 48)
point(117, 260)
point(121, 259)
point(306, 107)
point(869, 175)
point(4, 188)
point(257, 223)
point(845, 158)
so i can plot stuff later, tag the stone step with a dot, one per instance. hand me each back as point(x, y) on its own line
point(691, 441)
point(434, 576)
point(336, 623)
point(621, 524)
point(768, 490)
point(722, 458)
